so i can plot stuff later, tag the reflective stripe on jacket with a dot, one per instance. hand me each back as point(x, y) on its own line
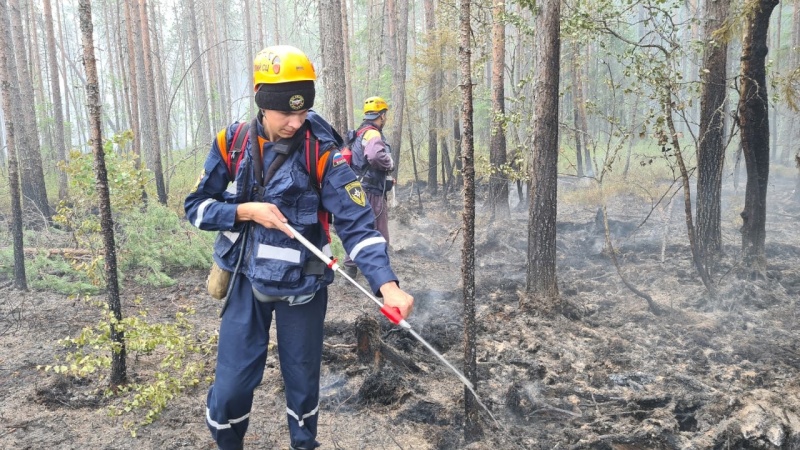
point(274, 263)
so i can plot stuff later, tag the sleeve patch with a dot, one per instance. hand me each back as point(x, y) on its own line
point(356, 193)
point(338, 159)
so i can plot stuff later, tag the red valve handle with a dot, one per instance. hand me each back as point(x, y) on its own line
point(393, 314)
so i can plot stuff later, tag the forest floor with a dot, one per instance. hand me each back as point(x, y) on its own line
point(607, 373)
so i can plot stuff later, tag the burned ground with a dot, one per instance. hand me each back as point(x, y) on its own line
point(708, 373)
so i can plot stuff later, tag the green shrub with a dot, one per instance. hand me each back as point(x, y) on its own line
point(175, 353)
point(156, 242)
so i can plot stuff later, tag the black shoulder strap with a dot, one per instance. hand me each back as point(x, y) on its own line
point(283, 149)
point(255, 151)
point(239, 140)
point(312, 155)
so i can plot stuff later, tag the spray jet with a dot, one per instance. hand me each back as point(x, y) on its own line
point(391, 313)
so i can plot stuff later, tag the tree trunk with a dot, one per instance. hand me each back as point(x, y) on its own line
point(200, 92)
point(541, 282)
point(251, 52)
point(348, 71)
point(67, 126)
point(390, 10)
point(447, 168)
point(667, 106)
point(498, 181)
point(260, 21)
point(793, 132)
point(139, 117)
point(276, 11)
point(472, 426)
point(9, 86)
point(34, 193)
point(457, 153)
point(433, 95)
point(153, 139)
point(576, 110)
point(118, 370)
point(588, 164)
point(399, 85)
point(634, 135)
point(754, 126)
point(37, 71)
point(776, 69)
point(161, 96)
point(711, 152)
point(333, 76)
point(55, 90)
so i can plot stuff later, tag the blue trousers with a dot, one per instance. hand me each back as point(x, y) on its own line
point(242, 355)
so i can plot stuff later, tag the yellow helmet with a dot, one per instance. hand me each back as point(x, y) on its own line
point(282, 64)
point(374, 106)
point(283, 79)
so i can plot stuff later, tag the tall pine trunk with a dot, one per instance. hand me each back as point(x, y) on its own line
point(34, 193)
point(333, 75)
point(55, 90)
point(433, 95)
point(711, 153)
point(9, 86)
point(576, 109)
point(347, 66)
point(153, 141)
point(399, 85)
point(472, 427)
point(541, 283)
point(138, 86)
point(118, 369)
point(498, 181)
point(754, 126)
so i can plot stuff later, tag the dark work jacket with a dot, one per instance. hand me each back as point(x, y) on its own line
point(274, 263)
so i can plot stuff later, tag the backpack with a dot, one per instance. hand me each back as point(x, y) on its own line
point(352, 136)
point(315, 158)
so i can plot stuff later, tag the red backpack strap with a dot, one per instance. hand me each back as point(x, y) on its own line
point(316, 159)
point(361, 131)
point(316, 163)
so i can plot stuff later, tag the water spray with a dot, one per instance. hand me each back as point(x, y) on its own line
point(391, 313)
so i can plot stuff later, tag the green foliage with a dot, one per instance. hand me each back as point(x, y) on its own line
point(336, 248)
point(54, 273)
point(156, 242)
point(51, 273)
point(150, 241)
point(513, 170)
point(175, 353)
point(125, 184)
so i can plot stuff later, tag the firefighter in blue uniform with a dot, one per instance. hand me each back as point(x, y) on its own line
point(277, 275)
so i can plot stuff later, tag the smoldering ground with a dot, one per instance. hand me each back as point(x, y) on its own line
point(708, 373)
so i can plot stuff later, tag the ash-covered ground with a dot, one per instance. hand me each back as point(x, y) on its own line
point(604, 373)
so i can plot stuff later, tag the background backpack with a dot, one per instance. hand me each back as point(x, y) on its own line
point(350, 141)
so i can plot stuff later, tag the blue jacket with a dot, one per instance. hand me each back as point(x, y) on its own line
point(274, 263)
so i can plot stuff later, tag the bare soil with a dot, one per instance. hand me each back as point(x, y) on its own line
point(604, 373)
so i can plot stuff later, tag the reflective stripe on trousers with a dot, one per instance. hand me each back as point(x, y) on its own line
point(242, 354)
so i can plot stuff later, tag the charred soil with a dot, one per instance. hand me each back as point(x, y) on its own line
point(604, 373)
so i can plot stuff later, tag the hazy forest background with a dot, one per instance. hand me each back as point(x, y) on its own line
point(109, 108)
